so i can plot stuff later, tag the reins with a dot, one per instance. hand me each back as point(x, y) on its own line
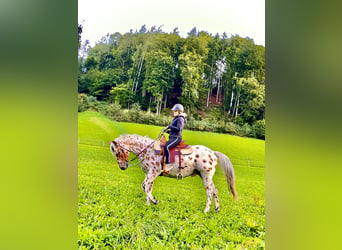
point(137, 155)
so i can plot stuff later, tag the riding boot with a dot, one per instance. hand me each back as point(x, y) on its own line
point(166, 168)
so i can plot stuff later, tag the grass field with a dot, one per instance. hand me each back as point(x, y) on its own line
point(112, 213)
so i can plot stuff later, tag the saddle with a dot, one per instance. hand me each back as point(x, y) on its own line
point(180, 149)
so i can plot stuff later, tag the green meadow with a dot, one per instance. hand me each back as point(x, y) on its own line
point(111, 209)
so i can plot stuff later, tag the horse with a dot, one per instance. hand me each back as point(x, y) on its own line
point(202, 161)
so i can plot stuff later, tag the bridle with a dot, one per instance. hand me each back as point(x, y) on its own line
point(137, 155)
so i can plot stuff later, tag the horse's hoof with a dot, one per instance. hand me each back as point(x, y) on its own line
point(156, 202)
point(217, 210)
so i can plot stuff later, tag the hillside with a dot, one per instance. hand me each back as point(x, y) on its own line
point(96, 128)
point(112, 210)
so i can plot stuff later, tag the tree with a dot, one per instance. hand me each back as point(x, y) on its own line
point(122, 94)
point(158, 76)
point(90, 63)
point(191, 72)
point(80, 29)
point(252, 96)
point(157, 69)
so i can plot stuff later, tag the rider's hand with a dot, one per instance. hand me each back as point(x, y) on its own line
point(167, 129)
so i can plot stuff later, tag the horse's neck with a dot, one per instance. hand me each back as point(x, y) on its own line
point(136, 143)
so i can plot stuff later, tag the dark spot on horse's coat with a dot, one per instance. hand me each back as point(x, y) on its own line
point(157, 164)
point(190, 158)
point(197, 156)
point(210, 168)
point(204, 161)
point(210, 163)
point(195, 160)
point(197, 147)
point(152, 158)
point(148, 158)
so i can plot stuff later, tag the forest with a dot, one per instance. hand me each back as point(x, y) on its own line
point(218, 79)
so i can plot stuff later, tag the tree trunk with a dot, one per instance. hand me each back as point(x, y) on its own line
point(237, 106)
point(165, 101)
point(149, 104)
point(218, 90)
point(208, 97)
point(231, 102)
point(139, 71)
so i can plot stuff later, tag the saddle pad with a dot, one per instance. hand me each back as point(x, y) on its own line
point(184, 151)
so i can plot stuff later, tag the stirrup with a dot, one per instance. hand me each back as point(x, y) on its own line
point(180, 177)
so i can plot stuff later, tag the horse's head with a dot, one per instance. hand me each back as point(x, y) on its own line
point(120, 154)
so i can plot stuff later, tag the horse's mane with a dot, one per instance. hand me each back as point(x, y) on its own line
point(134, 135)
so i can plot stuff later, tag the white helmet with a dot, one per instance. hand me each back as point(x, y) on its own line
point(178, 107)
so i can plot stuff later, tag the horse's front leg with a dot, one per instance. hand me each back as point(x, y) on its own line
point(147, 186)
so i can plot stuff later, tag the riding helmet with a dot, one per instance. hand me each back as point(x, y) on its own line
point(178, 107)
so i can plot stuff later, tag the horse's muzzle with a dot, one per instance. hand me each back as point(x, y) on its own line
point(123, 165)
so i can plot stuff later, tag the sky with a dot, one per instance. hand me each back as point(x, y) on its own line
point(235, 17)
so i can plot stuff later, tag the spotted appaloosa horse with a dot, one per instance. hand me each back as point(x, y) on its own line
point(202, 161)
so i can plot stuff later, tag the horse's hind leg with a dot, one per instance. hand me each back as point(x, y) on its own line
point(209, 187)
point(216, 199)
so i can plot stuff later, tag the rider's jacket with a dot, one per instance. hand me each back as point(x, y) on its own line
point(177, 126)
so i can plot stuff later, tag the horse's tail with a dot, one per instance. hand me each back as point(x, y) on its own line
point(229, 171)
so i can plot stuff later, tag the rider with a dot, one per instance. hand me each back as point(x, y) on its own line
point(175, 130)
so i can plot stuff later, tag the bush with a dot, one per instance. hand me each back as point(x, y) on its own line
point(245, 130)
point(213, 123)
point(83, 102)
point(134, 112)
point(230, 128)
point(163, 120)
point(114, 111)
point(90, 103)
point(166, 112)
point(258, 129)
point(95, 105)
